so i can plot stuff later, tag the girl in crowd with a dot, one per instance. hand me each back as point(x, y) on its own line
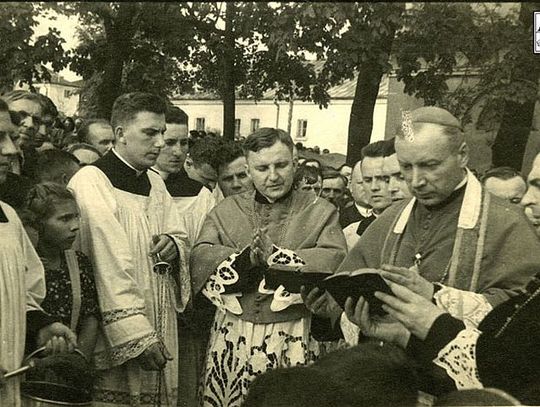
point(71, 296)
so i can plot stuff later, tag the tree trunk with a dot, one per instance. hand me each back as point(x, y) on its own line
point(365, 95)
point(119, 31)
point(229, 99)
point(511, 140)
point(361, 120)
point(289, 117)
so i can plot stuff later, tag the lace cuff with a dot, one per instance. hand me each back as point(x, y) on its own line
point(458, 359)
point(214, 289)
point(351, 331)
point(120, 354)
point(467, 306)
point(282, 298)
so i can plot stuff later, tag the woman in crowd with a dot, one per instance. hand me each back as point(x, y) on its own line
point(71, 293)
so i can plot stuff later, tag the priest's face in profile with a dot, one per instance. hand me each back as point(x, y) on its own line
point(396, 182)
point(140, 139)
point(272, 170)
point(432, 162)
point(173, 154)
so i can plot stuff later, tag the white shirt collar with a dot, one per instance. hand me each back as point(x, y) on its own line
point(138, 172)
point(164, 174)
point(365, 212)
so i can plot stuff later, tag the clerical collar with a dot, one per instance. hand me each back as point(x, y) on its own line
point(459, 192)
point(122, 175)
point(260, 198)
point(364, 211)
point(137, 172)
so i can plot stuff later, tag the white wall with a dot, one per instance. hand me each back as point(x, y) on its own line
point(327, 128)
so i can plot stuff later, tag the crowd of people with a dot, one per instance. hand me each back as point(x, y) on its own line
point(183, 269)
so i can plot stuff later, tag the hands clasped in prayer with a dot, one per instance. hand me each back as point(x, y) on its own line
point(261, 247)
point(410, 309)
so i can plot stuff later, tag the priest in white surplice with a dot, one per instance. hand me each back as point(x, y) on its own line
point(127, 219)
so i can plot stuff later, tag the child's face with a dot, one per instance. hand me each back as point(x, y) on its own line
point(60, 229)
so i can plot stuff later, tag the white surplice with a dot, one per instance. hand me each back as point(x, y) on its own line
point(22, 288)
point(116, 231)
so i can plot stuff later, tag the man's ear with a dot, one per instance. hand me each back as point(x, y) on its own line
point(463, 153)
point(119, 135)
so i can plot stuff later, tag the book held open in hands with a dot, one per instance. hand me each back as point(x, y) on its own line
point(354, 284)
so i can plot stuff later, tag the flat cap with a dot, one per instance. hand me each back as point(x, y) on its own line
point(434, 115)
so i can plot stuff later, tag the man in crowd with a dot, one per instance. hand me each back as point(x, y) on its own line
point(397, 186)
point(233, 176)
point(506, 183)
point(48, 116)
point(13, 187)
point(126, 214)
point(197, 176)
point(194, 327)
point(333, 186)
point(531, 199)
point(360, 208)
point(27, 108)
point(97, 133)
point(244, 234)
point(375, 182)
point(56, 166)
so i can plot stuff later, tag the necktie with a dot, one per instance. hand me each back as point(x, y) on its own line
point(362, 226)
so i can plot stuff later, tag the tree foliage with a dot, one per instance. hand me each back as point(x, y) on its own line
point(24, 58)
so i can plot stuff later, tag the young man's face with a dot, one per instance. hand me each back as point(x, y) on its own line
point(375, 183)
point(173, 154)
point(397, 187)
point(234, 178)
point(272, 170)
point(29, 113)
point(141, 139)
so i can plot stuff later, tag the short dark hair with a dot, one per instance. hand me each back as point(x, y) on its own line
point(206, 150)
point(126, 106)
point(51, 163)
point(84, 131)
point(230, 151)
point(266, 137)
point(382, 148)
point(82, 146)
point(47, 106)
point(176, 115)
point(330, 173)
point(503, 173)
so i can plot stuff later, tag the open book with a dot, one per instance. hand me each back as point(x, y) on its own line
point(362, 282)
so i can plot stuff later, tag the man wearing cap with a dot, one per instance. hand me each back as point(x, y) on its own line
point(452, 242)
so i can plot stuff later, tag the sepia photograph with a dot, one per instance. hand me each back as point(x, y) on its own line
point(269, 204)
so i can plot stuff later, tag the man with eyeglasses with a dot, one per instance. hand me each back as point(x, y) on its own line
point(27, 109)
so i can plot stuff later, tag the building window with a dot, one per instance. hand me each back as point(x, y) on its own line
point(301, 128)
point(255, 123)
point(200, 124)
point(67, 93)
point(236, 127)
